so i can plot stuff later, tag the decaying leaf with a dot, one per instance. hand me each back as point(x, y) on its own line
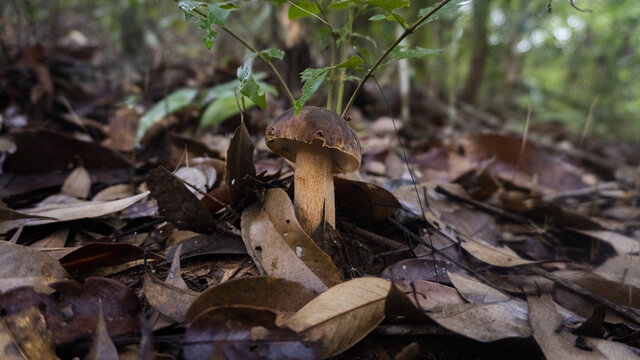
point(32, 337)
point(78, 183)
point(75, 211)
point(101, 254)
point(621, 269)
point(281, 296)
point(168, 299)
point(280, 247)
point(23, 266)
point(102, 348)
point(475, 291)
point(177, 203)
point(240, 164)
point(342, 315)
point(244, 332)
point(558, 343)
point(427, 295)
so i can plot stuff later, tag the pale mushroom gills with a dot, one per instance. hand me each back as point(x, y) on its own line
point(321, 144)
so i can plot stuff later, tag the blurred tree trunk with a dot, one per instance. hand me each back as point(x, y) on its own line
point(479, 50)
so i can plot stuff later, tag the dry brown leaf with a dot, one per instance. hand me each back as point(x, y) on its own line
point(621, 269)
point(493, 255)
point(115, 192)
point(280, 248)
point(83, 210)
point(342, 315)
point(282, 296)
point(167, 299)
point(8, 346)
point(545, 322)
point(485, 322)
point(24, 266)
point(475, 291)
point(33, 338)
point(429, 294)
point(78, 183)
point(622, 244)
point(102, 348)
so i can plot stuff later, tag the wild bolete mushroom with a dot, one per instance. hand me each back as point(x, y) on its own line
point(321, 144)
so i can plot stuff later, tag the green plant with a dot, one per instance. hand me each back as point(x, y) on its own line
point(345, 46)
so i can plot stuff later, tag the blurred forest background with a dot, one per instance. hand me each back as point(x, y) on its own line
point(568, 63)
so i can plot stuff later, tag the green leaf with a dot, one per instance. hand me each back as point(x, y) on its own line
point(377, 17)
point(303, 9)
point(176, 101)
point(312, 78)
point(221, 109)
point(248, 85)
point(339, 5)
point(388, 5)
point(187, 5)
point(209, 38)
point(419, 52)
point(227, 89)
point(267, 54)
point(448, 8)
point(218, 13)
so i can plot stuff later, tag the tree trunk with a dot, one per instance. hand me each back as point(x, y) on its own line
point(479, 50)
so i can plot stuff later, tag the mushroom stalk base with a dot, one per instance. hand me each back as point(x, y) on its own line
point(313, 181)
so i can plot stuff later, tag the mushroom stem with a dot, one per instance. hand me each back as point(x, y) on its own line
point(313, 181)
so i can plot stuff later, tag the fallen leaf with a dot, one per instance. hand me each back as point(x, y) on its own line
point(200, 245)
point(426, 295)
point(177, 204)
point(115, 192)
point(485, 322)
point(77, 184)
point(279, 295)
point(622, 244)
point(475, 291)
point(559, 344)
point(240, 164)
point(24, 266)
point(621, 269)
point(364, 202)
point(101, 254)
point(30, 332)
point(243, 332)
point(493, 255)
point(102, 348)
point(280, 247)
point(89, 209)
point(8, 346)
point(169, 300)
point(342, 315)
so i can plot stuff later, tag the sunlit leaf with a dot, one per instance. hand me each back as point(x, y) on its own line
point(176, 101)
point(377, 17)
point(188, 5)
point(267, 54)
point(218, 13)
point(248, 85)
point(313, 78)
point(303, 9)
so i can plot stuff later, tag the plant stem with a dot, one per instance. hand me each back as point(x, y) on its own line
point(252, 49)
point(408, 31)
point(345, 56)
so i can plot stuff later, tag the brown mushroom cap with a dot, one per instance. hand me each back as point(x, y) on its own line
point(315, 125)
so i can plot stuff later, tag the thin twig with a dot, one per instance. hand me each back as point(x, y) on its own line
point(406, 33)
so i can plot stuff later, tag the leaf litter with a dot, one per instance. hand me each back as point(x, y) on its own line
point(504, 239)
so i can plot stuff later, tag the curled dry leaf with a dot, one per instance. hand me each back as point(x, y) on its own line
point(364, 202)
point(170, 300)
point(23, 266)
point(243, 332)
point(560, 345)
point(75, 211)
point(280, 247)
point(282, 296)
point(176, 203)
point(342, 315)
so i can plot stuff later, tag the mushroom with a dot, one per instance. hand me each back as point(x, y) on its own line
point(321, 144)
